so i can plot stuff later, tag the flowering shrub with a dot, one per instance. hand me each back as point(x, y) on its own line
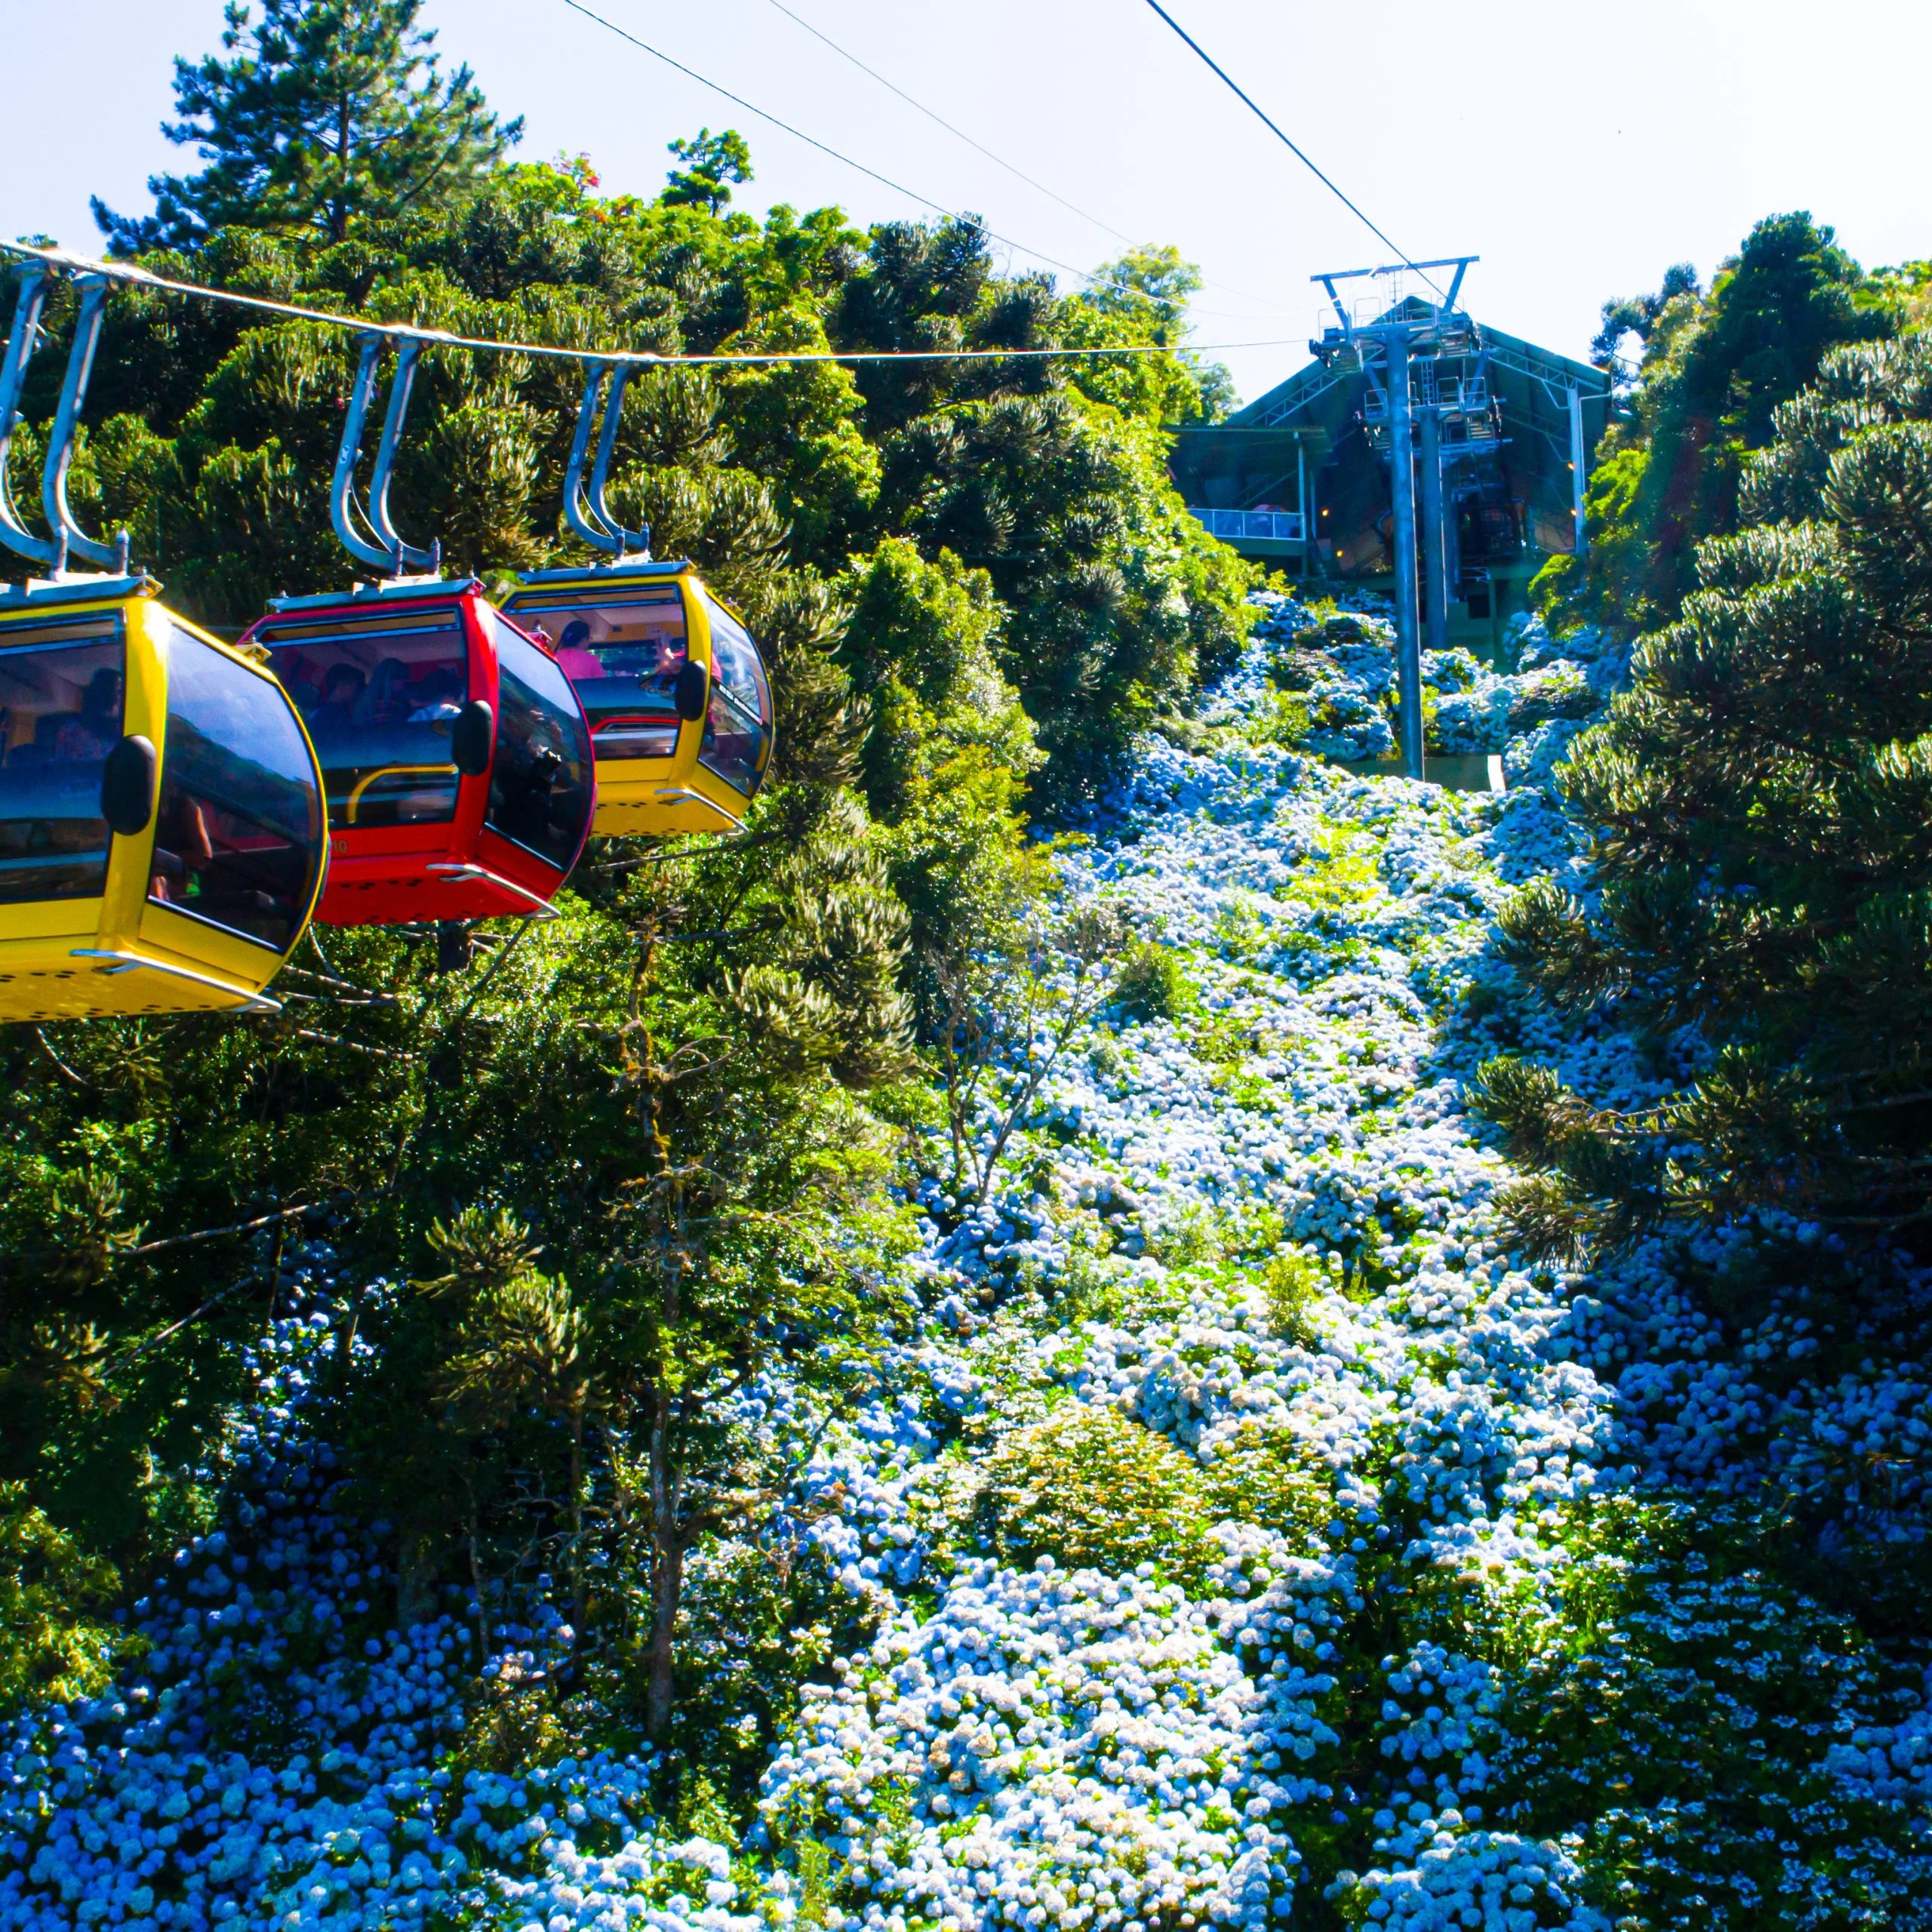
point(1244, 1537)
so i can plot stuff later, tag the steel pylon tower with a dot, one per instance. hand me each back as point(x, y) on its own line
point(1400, 352)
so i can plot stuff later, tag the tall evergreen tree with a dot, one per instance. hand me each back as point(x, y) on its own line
point(325, 112)
point(1715, 368)
point(1760, 803)
point(713, 165)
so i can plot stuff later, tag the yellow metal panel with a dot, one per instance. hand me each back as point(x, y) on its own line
point(665, 808)
point(75, 919)
point(40, 978)
point(175, 938)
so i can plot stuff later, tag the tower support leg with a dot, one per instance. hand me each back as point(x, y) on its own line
point(1580, 542)
point(1401, 464)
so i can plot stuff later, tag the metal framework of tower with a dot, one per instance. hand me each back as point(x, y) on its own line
point(1428, 408)
point(1401, 354)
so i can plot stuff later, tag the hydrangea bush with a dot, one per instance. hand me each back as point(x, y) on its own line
point(1246, 1538)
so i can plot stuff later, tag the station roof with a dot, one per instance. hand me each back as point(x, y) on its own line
point(1314, 419)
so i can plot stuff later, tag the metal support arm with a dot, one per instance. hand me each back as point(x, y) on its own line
point(68, 538)
point(1408, 642)
point(587, 509)
point(388, 553)
point(22, 339)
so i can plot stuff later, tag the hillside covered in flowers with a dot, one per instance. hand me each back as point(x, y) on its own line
point(1239, 1532)
point(1104, 1317)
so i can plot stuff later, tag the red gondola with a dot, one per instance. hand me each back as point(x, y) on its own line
point(456, 757)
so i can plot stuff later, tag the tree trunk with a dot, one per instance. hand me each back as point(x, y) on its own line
point(339, 213)
point(667, 1576)
point(476, 1586)
point(416, 1569)
point(579, 1575)
point(667, 1585)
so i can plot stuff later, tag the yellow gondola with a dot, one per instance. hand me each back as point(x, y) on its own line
point(162, 832)
point(679, 707)
point(679, 704)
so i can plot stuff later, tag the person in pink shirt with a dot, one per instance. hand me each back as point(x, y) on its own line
point(574, 657)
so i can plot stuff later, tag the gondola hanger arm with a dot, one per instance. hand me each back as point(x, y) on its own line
point(586, 507)
point(30, 281)
point(69, 539)
point(388, 553)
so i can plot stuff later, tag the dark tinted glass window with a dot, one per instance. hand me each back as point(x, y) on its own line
point(539, 780)
point(238, 834)
point(378, 695)
point(624, 654)
point(60, 717)
point(737, 728)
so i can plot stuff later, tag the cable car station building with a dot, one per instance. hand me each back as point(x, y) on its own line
point(1301, 480)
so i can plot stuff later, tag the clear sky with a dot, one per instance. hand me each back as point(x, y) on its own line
point(1578, 150)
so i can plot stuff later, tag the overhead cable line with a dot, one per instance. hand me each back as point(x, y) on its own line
point(885, 180)
point(136, 276)
point(1248, 101)
point(1019, 174)
point(941, 121)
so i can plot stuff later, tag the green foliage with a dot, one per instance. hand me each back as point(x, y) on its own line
point(1758, 802)
point(1046, 481)
point(644, 1160)
point(57, 1637)
point(1684, 1720)
point(1142, 296)
point(1005, 1000)
point(1290, 1282)
point(329, 112)
point(1150, 983)
point(1094, 1490)
point(714, 164)
point(919, 646)
point(1639, 315)
point(1715, 368)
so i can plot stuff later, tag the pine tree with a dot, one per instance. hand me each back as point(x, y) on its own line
point(326, 112)
point(1715, 367)
point(713, 163)
point(1760, 807)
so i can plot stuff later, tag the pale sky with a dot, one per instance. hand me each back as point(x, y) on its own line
point(1577, 150)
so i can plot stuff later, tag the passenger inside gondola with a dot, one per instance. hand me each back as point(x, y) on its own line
point(441, 698)
point(338, 711)
point(623, 653)
point(575, 656)
point(101, 709)
point(380, 695)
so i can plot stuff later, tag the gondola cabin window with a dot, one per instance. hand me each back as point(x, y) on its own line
point(380, 697)
point(737, 726)
point(540, 791)
point(236, 835)
point(623, 655)
point(60, 700)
